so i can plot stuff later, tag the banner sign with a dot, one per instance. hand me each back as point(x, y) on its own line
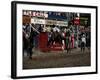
point(77, 21)
point(37, 21)
point(35, 14)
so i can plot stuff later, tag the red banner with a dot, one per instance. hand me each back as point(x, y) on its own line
point(76, 21)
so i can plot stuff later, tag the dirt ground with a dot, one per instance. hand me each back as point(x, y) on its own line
point(57, 59)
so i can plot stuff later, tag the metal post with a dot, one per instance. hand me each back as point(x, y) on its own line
point(77, 36)
point(78, 15)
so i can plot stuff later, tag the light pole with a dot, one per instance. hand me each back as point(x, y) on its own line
point(78, 15)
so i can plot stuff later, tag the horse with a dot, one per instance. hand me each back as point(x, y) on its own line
point(55, 38)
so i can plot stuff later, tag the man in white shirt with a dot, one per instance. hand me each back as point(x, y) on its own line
point(56, 29)
point(83, 43)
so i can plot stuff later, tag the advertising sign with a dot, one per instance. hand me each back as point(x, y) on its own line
point(35, 14)
point(77, 21)
point(37, 21)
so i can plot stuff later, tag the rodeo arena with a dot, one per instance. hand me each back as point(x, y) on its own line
point(56, 39)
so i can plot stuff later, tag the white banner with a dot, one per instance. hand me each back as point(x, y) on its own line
point(37, 21)
point(58, 23)
point(62, 23)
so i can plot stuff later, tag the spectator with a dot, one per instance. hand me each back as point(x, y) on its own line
point(83, 43)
